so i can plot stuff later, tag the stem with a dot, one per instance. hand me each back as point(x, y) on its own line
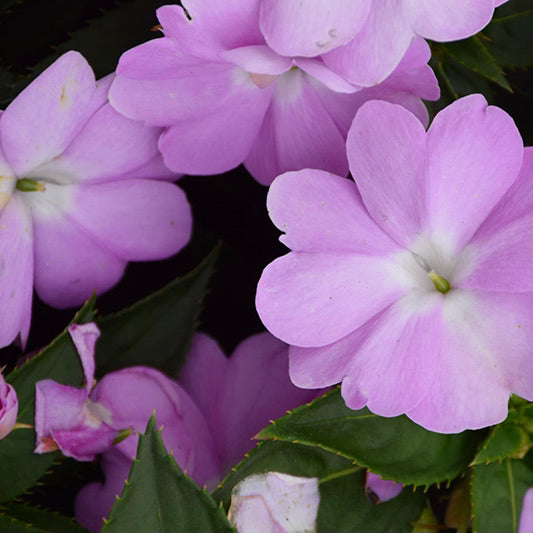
point(509, 472)
point(340, 473)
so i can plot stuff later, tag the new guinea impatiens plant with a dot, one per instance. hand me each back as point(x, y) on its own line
point(83, 190)
point(411, 286)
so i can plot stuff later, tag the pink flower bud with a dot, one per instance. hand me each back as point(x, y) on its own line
point(9, 407)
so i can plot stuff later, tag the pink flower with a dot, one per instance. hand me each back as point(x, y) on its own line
point(66, 418)
point(78, 198)
point(412, 288)
point(226, 97)
point(381, 490)
point(526, 516)
point(275, 503)
point(209, 417)
point(9, 407)
point(363, 41)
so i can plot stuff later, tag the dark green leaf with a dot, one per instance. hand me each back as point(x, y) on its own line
point(276, 456)
point(159, 498)
point(472, 54)
point(497, 493)
point(396, 448)
point(155, 331)
point(58, 361)
point(18, 517)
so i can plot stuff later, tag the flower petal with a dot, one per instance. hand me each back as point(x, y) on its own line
point(135, 220)
point(382, 489)
point(321, 212)
point(501, 249)
point(44, 118)
point(259, 59)
point(486, 346)
point(297, 132)
point(312, 27)
point(84, 337)
point(448, 21)
point(377, 49)
point(386, 153)
point(474, 155)
point(16, 271)
point(314, 299)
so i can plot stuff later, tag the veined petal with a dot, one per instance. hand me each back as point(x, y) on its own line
point(486, 346)
point(297, 132)
point(311, 27)
point(474, 155)
point(398, 360)
point(16, 271)
point(211, 143)
point(314, 299)
point(44, 118)
point(321, 212)
point(501, 250)
point(450, 20)
point(386, 153)
point(377, 48)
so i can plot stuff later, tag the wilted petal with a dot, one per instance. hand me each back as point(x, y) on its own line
point(275, 502)
point(386, 152)
point(311, 27)
point(84, 337)
point(44, 118)
point(16, 271)
point(474, 155)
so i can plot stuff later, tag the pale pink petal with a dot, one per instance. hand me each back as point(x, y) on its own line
point(16, 271)
point(377, 49)
point(526, 515)
point(69, 264)
point(386, 153)
point(474, 155)
point(486, 346)
point(450, 20)
point(396, 364)
point(83, 442)
point(135, 220)
point(311, 27)
point(109, 145)
point(44, 118)
point(213, 25)
point(316, 68)
point(501, 250)
point(313, 299)
point(84, 337)
point(499, 2)
point(321, 212)
point(382, 489)
point(216, 141)
point(153, 169)
point(259, 59)
point(297, 132)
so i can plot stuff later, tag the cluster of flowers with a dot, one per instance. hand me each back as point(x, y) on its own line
point(411, 284)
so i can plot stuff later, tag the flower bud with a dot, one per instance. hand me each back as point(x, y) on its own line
point(9, 406)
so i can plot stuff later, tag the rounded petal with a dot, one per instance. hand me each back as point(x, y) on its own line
point(474, 155)
point(526, 516)
point(486, 346)
point(297, 132)
point(108, 146)
point(377, 49)
point(311, 27)
point(16, 271)
point(448, 21)
point(382, 489)
point(501, 249)
point(314, 299)
point(135, 220)
point(386, 153)
point(211, 143)
point(69, 264)
point(44, 118)
point(321, 212)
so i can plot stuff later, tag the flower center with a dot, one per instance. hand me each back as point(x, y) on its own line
point(30, 185)
point(441, 283)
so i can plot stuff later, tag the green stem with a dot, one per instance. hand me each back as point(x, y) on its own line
point(340, 473)
point(510, 480)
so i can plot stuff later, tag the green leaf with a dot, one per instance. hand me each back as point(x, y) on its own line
point(497, 493)
point(396, 448)
point(17, 517)
point(276, 456)
point(58, 361)
point(472, 54)
point(155, 331)
point(159, 498)
point(508, 439)
point(344, 505)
